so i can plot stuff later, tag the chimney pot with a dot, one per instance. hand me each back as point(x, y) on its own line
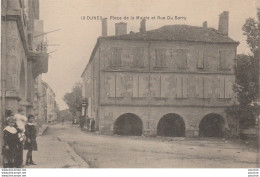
point(205, 24)
point(142, 26)
point(223, 23)
point(120, 28)
point(104, 26)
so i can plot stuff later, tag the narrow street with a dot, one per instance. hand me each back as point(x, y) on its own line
point(65, 146)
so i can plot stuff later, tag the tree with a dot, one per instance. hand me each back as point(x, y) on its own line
point(246, 89)
point(247, 77)
point(74, 98)
point(252, 32)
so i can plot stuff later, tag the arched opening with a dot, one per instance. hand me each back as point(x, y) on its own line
point(22, 82)
point(212, 125)
point(128, 124)
point(171, 125)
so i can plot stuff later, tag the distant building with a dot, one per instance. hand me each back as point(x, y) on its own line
point(172, 81)
point(50, 113)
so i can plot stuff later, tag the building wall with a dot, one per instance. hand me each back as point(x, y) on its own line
point(150, 117)
point(17, 31)
point(201, 80)
point(16, 63)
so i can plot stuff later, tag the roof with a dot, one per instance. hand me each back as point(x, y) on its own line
point(178, 33)
point(181, 33)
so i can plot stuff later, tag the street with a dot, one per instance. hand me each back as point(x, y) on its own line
point(65, 146)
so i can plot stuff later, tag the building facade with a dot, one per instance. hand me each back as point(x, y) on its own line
point(49, 102)
point(172, 81)
point(21, 62)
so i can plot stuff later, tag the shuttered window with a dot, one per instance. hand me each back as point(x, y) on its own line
point(160, 58)
point(182, 61)
point(204, 87)
point(140, 86)
point(182, 87)
point(225, 88)
point(116, 54)
point(138, 60)
point(112, 86)
point(135, 86)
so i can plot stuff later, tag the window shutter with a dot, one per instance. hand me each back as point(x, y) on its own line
point(155, 85)
point(182, 62)
point(135, 86)
point(221, 87)
point(160, 57)
point(164, 87)
point(228, 89)
point(200, 87)
point(138, 60)
point(143, 86)
point(119, 86)
point(116, 56)
point(185, 87)
point(207, 89)
point(111, 83)
point(200, 59)
point(179, 87)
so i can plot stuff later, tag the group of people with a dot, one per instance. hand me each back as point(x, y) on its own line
point(90, 123)
point(19, 133)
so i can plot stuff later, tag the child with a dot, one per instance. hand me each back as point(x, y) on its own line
point(30, 143)
point(11, 140)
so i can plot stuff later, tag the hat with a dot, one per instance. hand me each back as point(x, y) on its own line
point(10, 119)
point(20, 110)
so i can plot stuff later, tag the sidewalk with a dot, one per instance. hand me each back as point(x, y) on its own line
point(53, 153)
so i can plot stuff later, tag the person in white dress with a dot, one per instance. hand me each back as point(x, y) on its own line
point(21, 121)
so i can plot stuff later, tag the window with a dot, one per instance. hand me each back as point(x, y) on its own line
point(138, 60)
point(224, 55)
point(202, 59)
point(115, 86)
point(182, 62)
point(116, 56)
point(225, 88)
point(164, 87)
point(160, 58)
point(140, 86)
point(111, 86)
point(203, 87)
point(182, 87)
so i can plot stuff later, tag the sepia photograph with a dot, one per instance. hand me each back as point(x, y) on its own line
point(130, 84)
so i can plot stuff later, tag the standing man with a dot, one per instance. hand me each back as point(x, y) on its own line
point(92, 125)
point(21, 121)
point(82, 122)
point(62, 119)
point(88, 122)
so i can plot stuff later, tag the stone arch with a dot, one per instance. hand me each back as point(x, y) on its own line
point(171, 125)
point(212, 125)
point(128, 124)
point(22, 81)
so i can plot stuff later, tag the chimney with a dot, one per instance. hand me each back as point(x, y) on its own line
point(104, 26)
point(205, 24)
point(223, 23)
point(120, 28)
point(142, 26)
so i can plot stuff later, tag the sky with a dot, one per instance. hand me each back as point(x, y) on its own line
point(77, 37)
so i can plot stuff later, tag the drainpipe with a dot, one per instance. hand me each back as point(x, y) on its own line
point(149, 73)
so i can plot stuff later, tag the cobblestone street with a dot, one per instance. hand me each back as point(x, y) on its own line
point(65, 146)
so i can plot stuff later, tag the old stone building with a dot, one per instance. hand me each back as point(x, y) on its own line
point(172, 81)
point(21, 61)
point(49, 102)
